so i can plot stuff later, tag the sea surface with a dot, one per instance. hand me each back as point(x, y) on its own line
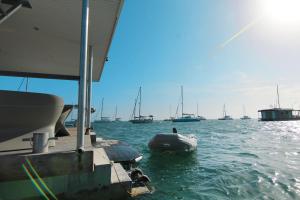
point(234, 159)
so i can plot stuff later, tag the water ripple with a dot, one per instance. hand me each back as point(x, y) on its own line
point(234, 160)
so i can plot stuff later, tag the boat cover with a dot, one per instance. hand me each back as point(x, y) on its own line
point(173, 142)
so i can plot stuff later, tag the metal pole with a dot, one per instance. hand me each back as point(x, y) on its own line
point(89, 88)
point(181, 101)
point(140, 102)
point(83, 69)
point(101, 114)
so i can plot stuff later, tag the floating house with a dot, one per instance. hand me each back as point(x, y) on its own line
point(55, 40)
point(278, 113)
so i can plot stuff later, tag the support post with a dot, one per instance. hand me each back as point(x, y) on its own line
point(83, 70)
point(89, 89)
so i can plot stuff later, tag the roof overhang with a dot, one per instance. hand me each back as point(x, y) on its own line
point(277, 109)
point(44, 40)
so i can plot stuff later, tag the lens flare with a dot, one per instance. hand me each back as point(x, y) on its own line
point(285, 12)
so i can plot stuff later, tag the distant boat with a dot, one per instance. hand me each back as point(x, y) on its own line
point(245, 117)
point(279, 114)
point(72, 122)
point(102, 118)
point(169, 119)
point(225, 116)
point(140, 118)
point(185, 117)
point(117, 119)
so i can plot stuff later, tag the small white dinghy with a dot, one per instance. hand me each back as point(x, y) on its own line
point(173, 142)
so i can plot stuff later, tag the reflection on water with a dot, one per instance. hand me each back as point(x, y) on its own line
point(234, 160)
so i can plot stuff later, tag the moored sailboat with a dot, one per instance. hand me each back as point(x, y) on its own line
point(102, 118)
point(116, 118)
point(245, 117)
point(225, 116)
point(139, 119)
point(185, 117)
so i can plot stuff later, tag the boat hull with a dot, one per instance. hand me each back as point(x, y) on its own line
point(173, 142)
point(141, 121)
point(186, 120)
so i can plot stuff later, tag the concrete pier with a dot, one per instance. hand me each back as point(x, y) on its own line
point(60, 173)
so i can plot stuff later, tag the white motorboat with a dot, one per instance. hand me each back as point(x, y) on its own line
point(173, 142)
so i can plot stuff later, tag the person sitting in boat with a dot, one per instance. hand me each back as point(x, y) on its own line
point(174, 130)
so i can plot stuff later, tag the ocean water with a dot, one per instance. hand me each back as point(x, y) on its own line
point(234, 159)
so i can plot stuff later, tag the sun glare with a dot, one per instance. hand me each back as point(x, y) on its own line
point(282, 11)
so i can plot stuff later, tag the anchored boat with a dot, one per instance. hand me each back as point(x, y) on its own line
point(245, 117)
point(140, 119)
point(225, 116)
point(279, 114)
point(102, 118)
point(185, 117)
point(173, 142)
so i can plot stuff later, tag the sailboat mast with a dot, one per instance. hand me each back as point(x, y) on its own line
point(278, 103)
point(134, 108)
point(197, 110)
point(140, 103)
point(101, 114)
point(181, 101)
point(224, 111)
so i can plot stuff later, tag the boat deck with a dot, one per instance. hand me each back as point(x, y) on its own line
point(67, 143)
point(64, 163)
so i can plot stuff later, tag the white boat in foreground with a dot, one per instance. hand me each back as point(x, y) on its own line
point(173, 142)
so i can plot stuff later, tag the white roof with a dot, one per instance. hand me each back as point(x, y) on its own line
point(44, 41)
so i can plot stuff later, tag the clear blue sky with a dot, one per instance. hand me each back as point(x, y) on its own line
point(162, 44)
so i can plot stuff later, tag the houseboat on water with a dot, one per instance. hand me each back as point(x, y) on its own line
point(55, 40)
point(278, 113)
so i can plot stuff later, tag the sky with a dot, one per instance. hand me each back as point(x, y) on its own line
point(221, 52)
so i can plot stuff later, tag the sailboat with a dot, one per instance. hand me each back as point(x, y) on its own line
point(184, 116)
point(102, 118)
point(225, 116)
point(72, 122)
point(245, 117)
point(140, 118)
point(117, 119)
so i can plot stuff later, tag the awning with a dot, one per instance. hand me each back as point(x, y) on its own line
point(44, 40)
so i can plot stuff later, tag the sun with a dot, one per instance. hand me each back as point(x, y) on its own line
point(281, 11)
